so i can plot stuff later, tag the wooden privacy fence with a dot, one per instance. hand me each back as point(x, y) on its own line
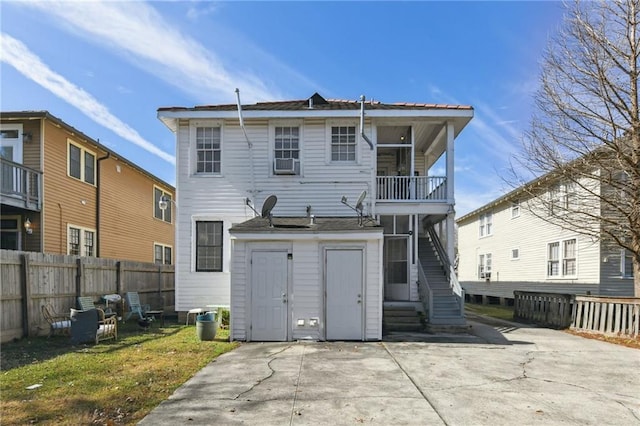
point(548, 309)
point(30, 280)
point(619, 316)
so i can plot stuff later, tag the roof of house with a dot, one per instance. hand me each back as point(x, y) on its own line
point(317, 102)
point(303, 225)
point(46, 115)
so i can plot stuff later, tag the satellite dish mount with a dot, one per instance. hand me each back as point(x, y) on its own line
point(268, 206)
point(358, 207)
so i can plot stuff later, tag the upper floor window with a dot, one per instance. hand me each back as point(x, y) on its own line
point(561, 258)
point(81, 241)
point(515, 254)
point(626, 264)
point(343, 143)
point(286, 154)
point(158, 213)
point(484, 266)
point(562, 198)
point(82, 163)
point(515, 209)
point(162, 254)
point(209, 246)
point(208, 150)
point(486, 224)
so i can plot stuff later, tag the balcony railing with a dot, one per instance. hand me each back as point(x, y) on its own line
point(411, 188)
point(20, 186)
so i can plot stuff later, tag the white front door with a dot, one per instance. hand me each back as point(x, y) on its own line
point(396, 268)
point(269, 277)
point(344, 298)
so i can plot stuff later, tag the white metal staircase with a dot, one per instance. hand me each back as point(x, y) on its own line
point(439, 289)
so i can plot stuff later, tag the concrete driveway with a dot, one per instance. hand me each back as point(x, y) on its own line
point(497, 375)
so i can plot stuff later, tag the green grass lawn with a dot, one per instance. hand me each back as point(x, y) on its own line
point(113, 382)
point(494, 311)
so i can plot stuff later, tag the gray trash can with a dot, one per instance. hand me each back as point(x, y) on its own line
point(206, 326)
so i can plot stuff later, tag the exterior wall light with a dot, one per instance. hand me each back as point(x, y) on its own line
point(27, 226)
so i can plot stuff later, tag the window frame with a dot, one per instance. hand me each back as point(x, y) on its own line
point(273, 125)
point(197, 246)
point(515, 250)
point(624, 254)
point(515, 209)
point(15, 143)
point(82, 240)
point(156, 205)
point(330, 124)
point(485, 265)
point(485, 227)
point(163, 248)
point(193, 146)
point(83, 163)
point(562, 258)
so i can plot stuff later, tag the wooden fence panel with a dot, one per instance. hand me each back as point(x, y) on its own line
point(609, 316)
point(548, 309)
point(30, 280)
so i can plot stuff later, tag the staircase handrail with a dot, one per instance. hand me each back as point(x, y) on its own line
point(426, 294)
point(448, 267)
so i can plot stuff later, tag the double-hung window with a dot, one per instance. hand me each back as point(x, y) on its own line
point(626, 264)
point(208, 150)
point(562, 258)
point(484, 266)
point(162, 254)
point(515, 209)
point(486, 224)
point(209, 246)
point(81, 163)
point(286, 152)
point(81, 241)
point(343, 143)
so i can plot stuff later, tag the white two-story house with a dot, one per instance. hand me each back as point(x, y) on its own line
point(305, 217)
point(511, 244)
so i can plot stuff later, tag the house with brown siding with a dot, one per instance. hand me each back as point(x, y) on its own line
point(62, 192)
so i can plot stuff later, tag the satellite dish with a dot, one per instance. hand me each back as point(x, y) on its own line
point(361, 198)
point(268, 205)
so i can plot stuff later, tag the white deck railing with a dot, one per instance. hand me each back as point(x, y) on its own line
point(411, 188)
point(614, 316)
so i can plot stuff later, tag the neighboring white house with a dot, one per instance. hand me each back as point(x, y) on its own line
point(316, 271)
point(503, 246)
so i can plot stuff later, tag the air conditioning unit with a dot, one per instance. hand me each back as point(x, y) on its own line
point(485, 275)
point(285, 166)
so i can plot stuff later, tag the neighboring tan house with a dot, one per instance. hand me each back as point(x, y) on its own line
point(63, 192)
point(503, 246)
point(315, 270)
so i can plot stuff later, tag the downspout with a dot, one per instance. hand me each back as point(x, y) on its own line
point(372, 180)
point(249, 144)
point(98, 202)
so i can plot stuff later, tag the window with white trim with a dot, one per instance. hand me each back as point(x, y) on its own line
point(158, 213)
point(562, 258)
point(343, 143)
point(81, 163)
point(562, 198)
point(286, 150)
point(162, 254)
point(515, 209)
point(486, 224)
point(484, 266)
point(626, 264)
point(81, 241)
point(209, 246)
point(208, 150)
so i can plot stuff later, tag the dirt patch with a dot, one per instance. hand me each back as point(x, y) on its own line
point(624, 341)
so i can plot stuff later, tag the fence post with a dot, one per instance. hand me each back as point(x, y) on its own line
point(119, 277)
point(26, 294)
point(79, 277)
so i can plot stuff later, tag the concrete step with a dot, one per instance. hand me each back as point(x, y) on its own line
point(403, 327)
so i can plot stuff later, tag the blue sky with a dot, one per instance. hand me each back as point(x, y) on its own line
point(105, 68)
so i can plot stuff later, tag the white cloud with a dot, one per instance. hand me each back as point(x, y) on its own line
point(138, 31)
point(16, 54)
point(200, 8)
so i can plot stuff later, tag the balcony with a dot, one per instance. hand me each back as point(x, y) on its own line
point(411, 188)
point(21, 186)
